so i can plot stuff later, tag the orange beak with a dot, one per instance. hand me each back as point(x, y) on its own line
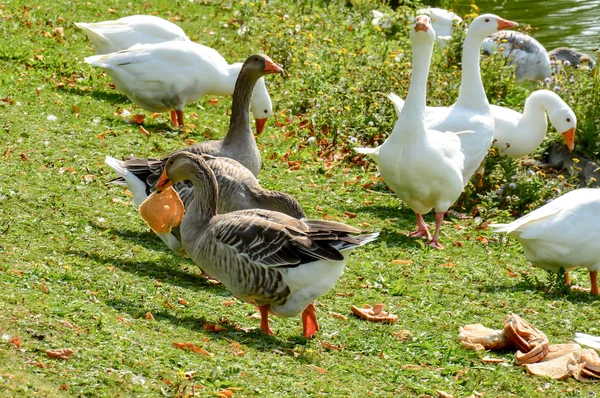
point(569, 137)
point(163, 182)
point(421, 24)
point(260, 125)
point(272, 67)
point(504, 24)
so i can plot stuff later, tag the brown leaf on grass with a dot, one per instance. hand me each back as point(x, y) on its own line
point(402, 262)
point(449, 264)
point(59, 32)
point(88, 177)
point(338, 316)
point(213, 101)
point(101, 136)
point(183, 302)
point(331, 346)
point(442, 394)
point(487, 359)
point(483, 240)
point(155, 115)
point(228, 303)
point(15, 271)
point(458, 244)
point(318, 369)
point(510, 273)
point(167, 382)
point(122, 320)
point(35, 363)
point(190, 373)
point(225, 393)
point(75, 109)
point(16, 341)
point(138, 118)
point(214, 328)
point(144, 131)
point(191, 347)
point(63, 387)
point(350, 215)
point(403, 334)
point(67, 324)
point(24, 157)
point(45, 34)
point(62, 353)
point(7, 100)
point(69, 169)
point(149, 316)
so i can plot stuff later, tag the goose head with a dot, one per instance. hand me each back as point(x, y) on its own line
point(564, 121)
point(422, 31)
point(182, 166)
point(488, 24)
point(256, 66)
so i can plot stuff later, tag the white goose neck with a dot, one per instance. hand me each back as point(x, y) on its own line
point(534, 113)
point(472, 93)
point(413, 112)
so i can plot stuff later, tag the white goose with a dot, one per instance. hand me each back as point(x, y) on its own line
point(166, 76)
point(442, 21)
point(517, 135)
point(111, 36)
point(472, 110)
point(530, 57)
point(274, 261)
point(562, 234)
point(422, 166)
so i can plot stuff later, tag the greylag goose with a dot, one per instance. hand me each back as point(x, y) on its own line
point(574, 57)
point(266, 258)
point(116, 35)
point(520, 49)
point(167, 76)
point(562, 234)
point(238, 189)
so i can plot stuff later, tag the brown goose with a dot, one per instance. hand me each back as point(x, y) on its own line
point(266, 258)
point(238, 189)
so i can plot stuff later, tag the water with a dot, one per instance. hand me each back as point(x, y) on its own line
point(556, 23)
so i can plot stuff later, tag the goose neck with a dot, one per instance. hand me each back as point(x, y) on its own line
point(203, 206)
point(471, 92)
point(534, 113)
point(239, 122)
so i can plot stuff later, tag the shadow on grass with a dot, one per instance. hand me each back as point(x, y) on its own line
point(167, 274)
point(573, 296)
point(249, 335)
point(100, 95)
point(147, 239)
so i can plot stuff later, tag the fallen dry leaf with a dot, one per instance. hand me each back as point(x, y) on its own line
point(350, 215)
point(331, 346)
point(62, 353)
point(191, 347)
point(487, 359)
point(225, 393)
point(318, 369)
point(183, 302)
point(339, 316)
point(402, 262)
point(483, 240)
point(138, 118)
point(144, 131)
point(16, 341)
point(213, 101)
point(35, 363)
point(228, 303)
point(149, 316)
point(443, 394)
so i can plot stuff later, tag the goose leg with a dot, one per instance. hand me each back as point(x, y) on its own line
point(310, 325)
point(264, 319)
point(422, 228)
point(180, 118)
point(174, 118)
point(594, 282)
point(567, 279)
point(439, 217)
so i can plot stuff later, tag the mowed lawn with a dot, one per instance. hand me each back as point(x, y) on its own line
point(79, 269)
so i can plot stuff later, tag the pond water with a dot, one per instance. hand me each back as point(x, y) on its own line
point(558, 23)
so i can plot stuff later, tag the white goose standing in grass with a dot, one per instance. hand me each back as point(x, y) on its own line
point(517, 135)
point(562, 234)
point(274, 261)
point(472, 110)
point(116, 35)
point(166, 76)
point(421, 165)
point(238, 189)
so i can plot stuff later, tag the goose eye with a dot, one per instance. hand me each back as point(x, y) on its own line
point(487, 20)
point(170, 162)
point(568, 119)
point(256, 59)
point(266, 111)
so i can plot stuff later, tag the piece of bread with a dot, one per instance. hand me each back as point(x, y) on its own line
point(162, 211)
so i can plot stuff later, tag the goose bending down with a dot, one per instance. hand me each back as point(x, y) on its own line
point(238, 189)
point(166, 76)
point(442, 22)
point(574, 57)
point(518, 134)
point(111, 36)
point(274, 261)
point(472, 110)
point(522, 50)
point(562, 234)
point(421, 165)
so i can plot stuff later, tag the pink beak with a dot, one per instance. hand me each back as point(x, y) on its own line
point(504, 24)
point(260, 125)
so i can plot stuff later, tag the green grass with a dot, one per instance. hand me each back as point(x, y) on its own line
point(79, 269)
